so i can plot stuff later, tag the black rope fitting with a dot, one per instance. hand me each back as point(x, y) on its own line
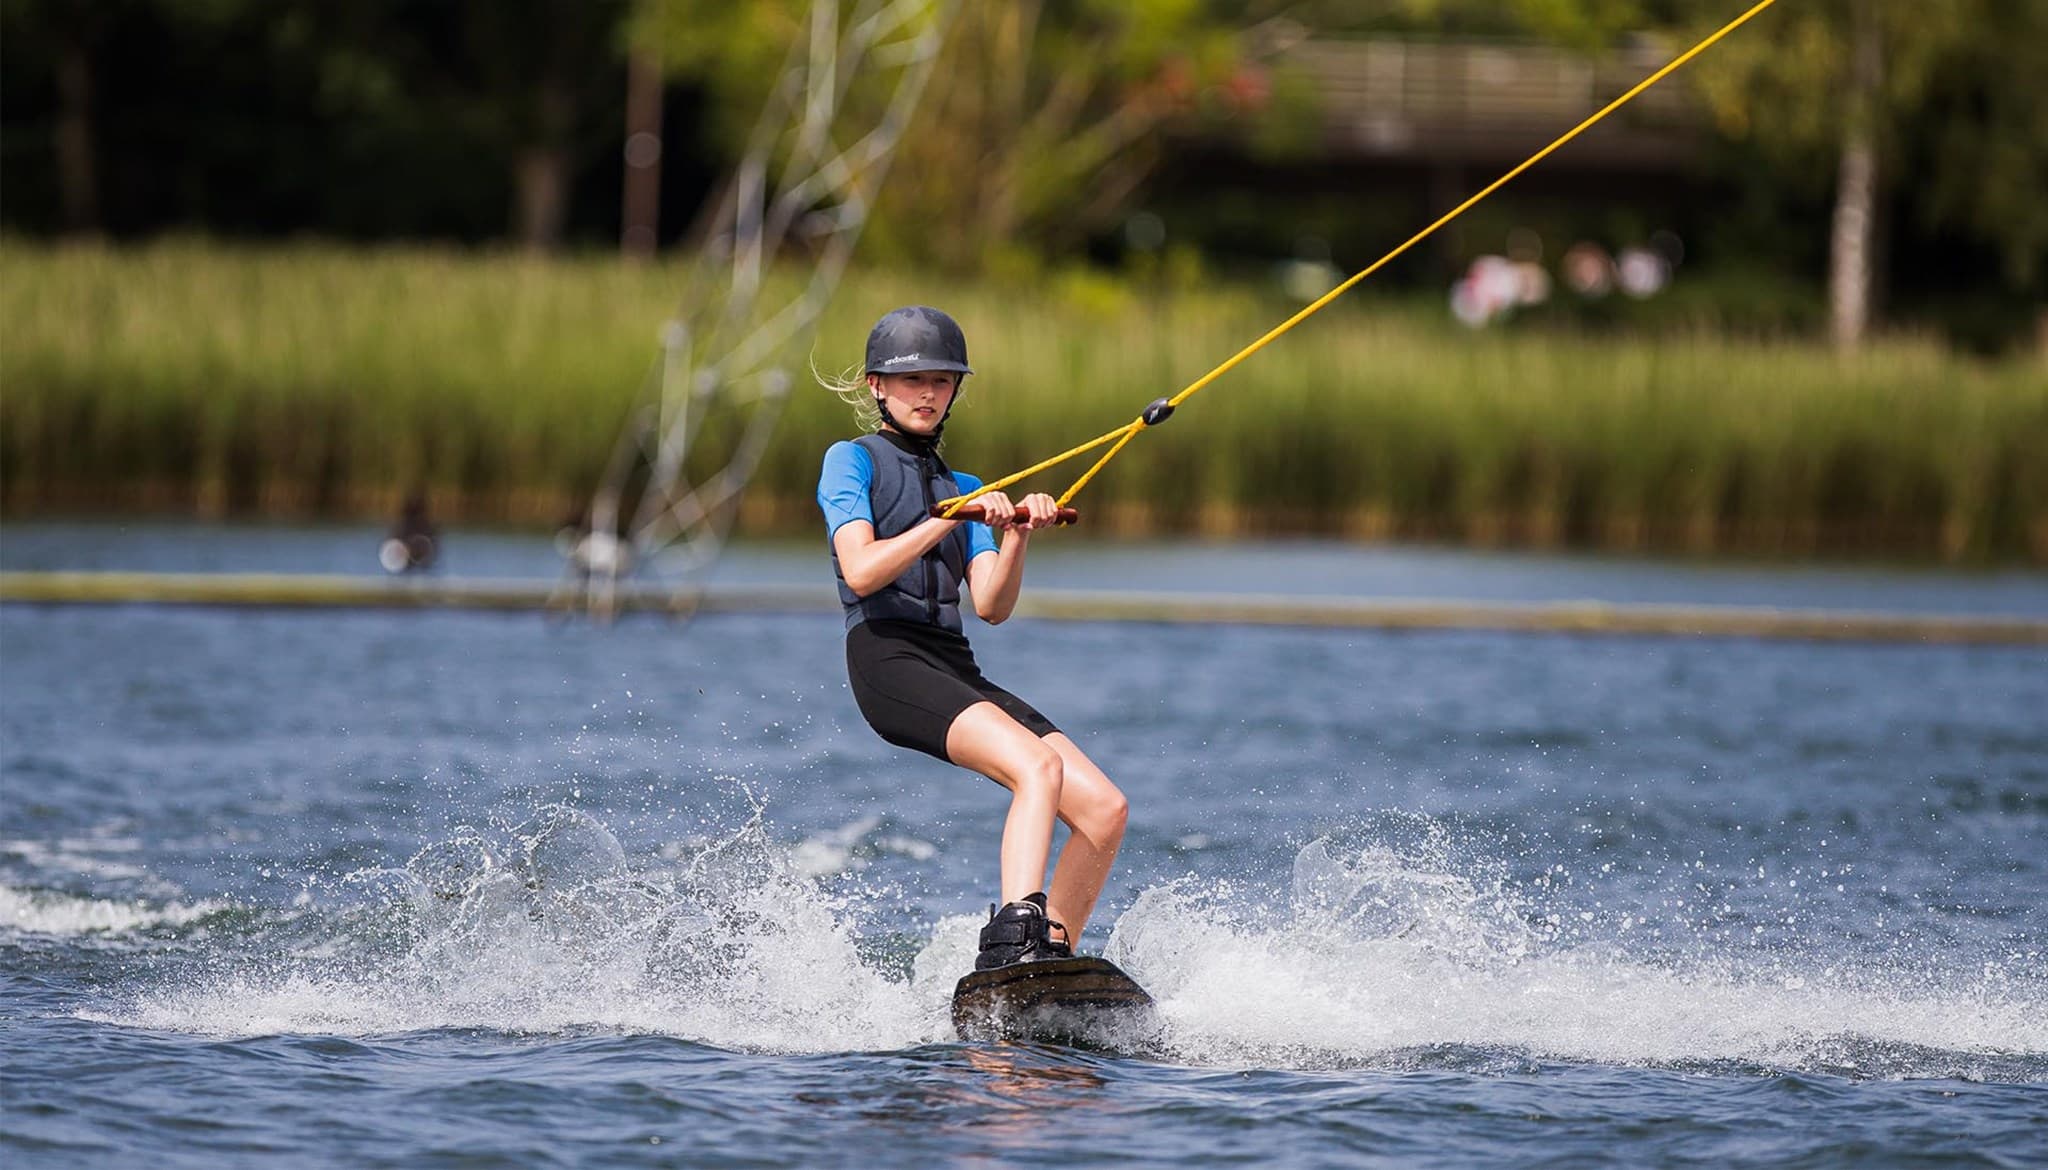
point(1160, 410)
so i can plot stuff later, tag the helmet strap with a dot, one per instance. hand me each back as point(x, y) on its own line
point(959, 383)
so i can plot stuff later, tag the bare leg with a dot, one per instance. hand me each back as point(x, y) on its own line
point(986, 740)
point(1096, 811)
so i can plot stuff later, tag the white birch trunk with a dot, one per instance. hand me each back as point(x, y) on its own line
point(1851, 245)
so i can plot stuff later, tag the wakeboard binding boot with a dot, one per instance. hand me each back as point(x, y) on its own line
point(1020, 932)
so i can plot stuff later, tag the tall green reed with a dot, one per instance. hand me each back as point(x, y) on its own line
point(311, 380)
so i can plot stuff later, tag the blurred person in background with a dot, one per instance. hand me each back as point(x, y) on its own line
point(414, 543)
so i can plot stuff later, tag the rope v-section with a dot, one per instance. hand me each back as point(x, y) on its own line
point(1160, 410)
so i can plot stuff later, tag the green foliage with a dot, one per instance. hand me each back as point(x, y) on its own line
point(1045, 128)
point(735, 49)
point(1944, 101)
point(1583, 24)
point(1984, 140)
point(317, 381)
point(1782, 79)
point(1044, 119)
point(374, 117)
point(1040, 122)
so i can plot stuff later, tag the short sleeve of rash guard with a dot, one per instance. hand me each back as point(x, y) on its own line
point(843, 494)
point(979, 538)
point(843, 486)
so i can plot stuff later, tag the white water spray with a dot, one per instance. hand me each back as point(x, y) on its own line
point(1378, 958)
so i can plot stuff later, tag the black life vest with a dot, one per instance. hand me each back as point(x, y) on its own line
point(909, 479)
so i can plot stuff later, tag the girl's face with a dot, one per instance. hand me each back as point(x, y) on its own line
point(917, 401)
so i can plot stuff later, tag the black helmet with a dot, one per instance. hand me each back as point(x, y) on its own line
point(916, 338)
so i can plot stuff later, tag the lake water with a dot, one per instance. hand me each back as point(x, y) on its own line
point(419, 889)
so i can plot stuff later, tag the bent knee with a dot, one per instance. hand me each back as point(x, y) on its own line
point(1115, 812)
point(1042, 775)
point(1104, 816)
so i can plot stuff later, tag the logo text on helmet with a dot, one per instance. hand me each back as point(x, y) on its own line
point(908, 357)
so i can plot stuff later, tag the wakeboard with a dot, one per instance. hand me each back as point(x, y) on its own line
point(1085, 1002)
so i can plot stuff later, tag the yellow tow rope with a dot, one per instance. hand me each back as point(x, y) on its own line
point(1158, 411)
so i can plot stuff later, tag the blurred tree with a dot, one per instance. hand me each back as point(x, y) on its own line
point(1983, 145)
point(70, 34)
point(1838, 80)
point(538, 85)
point(523, 75)
point(1584, 24)
point(734, 48)
point(279, 115)
point(1836, 95)
point(1042, 120)
point(1045, 119)
point(78, 177)
point(472, 119)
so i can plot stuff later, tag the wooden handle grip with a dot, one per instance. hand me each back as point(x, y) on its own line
point(974, 512)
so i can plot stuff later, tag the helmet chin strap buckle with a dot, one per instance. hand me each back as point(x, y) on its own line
point(1158, 412)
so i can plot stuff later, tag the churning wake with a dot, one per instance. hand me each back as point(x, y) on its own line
point(1376, 956)
point(1380, 960)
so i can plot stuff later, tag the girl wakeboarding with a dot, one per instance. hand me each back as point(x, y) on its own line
point(900, 572)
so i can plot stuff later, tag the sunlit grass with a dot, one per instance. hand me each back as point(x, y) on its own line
point(311, 380)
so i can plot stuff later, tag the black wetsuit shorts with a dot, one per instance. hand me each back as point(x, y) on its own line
point(912, 680)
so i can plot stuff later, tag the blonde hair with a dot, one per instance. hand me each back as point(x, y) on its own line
point(851, 386)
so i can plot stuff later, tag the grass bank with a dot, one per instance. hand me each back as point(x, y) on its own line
point(319, 381)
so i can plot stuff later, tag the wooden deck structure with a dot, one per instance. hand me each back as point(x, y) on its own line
point(1473, 102)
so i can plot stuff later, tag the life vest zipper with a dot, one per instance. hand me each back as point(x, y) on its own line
point(931, 573)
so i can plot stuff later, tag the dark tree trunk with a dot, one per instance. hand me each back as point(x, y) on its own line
point(639, 216)
point(540, 172)
point(540, 176)
point(77, 176)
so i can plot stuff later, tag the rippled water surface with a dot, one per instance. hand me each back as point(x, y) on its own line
point(413, 889)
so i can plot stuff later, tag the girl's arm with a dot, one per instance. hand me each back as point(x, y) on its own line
point(994, 581)
point(868, 563)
